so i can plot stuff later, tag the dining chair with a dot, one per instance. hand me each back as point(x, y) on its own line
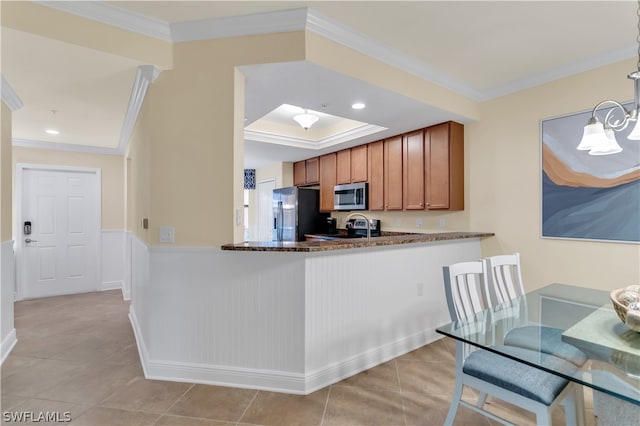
point(532, 389)
point(504, 281)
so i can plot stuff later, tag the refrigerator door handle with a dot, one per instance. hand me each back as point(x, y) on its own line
point(280, 217)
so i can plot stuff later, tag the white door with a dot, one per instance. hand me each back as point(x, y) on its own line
point(265, 209)
point(61, 254)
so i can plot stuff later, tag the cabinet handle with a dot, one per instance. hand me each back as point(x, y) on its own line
point(421, 205)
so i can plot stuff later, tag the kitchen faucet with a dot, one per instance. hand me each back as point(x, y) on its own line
point(365, 218)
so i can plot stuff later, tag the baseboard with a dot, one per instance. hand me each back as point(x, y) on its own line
point(8, 343)
point(361, 362)
point(126, 295)
point(112, 285)
point(275, 381)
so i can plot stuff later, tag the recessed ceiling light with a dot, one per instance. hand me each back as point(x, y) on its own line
point(358, 105)
point(52, 131)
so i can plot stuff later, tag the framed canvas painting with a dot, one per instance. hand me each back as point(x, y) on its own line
point(590, 197)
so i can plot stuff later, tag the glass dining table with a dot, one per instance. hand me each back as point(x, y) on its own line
point(584, 319)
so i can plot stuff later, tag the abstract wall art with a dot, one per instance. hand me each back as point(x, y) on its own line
point(586, 196)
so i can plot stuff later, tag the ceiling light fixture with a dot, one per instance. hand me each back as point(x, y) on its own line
point(358, 105)
point(599, 137)
point(52, 131)
point(306, 120)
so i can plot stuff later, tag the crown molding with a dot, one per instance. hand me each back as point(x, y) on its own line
point(145, 75)
point(313, 21)
point(234, 26)
point(342, 34)
point(607, 58)
point(112, 15)
point(9, 96)
point(68, 147)
point(349, 135)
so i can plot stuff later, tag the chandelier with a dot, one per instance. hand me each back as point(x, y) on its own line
point(599, 136)
point(306, 120)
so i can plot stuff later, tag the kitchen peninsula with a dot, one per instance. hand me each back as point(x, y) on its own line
point(293, 317)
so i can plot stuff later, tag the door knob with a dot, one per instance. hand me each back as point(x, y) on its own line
point(29, 240)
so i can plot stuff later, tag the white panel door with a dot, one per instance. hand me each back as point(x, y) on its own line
point(265, 209)
point(61, 254)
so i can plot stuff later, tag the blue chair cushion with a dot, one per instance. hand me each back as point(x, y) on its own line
point(517, 377)
point(545, 339)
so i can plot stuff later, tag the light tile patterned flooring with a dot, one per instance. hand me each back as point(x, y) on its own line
point(77, 354)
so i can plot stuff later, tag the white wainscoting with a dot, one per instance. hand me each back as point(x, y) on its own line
point(8, 288)
point(289, 322)
point(113, 255)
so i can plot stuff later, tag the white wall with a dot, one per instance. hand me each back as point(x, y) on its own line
point(7, 277)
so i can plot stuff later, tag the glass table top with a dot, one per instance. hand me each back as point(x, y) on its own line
point(576, 324)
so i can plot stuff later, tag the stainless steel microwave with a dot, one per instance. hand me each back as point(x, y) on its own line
point(350, 197)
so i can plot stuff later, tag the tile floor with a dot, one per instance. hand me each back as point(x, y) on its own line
point(77, 354)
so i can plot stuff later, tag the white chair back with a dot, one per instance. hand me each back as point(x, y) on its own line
point(504, 277)
point(466, 289)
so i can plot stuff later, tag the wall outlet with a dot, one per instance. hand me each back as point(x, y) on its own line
point(398, 221)
point(419, 222)
point(443, 223)
point(167, 234)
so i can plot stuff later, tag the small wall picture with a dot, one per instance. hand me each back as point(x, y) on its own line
point(591, 197)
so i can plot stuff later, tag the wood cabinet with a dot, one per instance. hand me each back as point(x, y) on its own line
point(419, 170)
point(343, 166)
point(393, 173)
point(306, 172)
point(359, 160)
point(352, 165)
point(413, 172)
point(327, 181)
point(375, 166)
point(444, 171)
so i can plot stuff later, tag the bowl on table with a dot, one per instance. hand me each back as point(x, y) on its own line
point(626, 303)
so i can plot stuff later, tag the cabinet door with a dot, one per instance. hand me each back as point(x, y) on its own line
point(313, 172)
point(444, 156)
point(359, 164)
point(393, 173)
point(413, 170)
point(343, 166)
point(327, 181)
point(299, 173)
point(375, 164)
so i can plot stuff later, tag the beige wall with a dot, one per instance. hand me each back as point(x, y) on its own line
point(504, 182)
point(6, 175)
point(111, 166)
point(51, 23)
point(137, 169)
point(194, 129)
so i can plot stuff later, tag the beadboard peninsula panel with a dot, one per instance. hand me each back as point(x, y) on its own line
point(285, 321)
point(364, 307)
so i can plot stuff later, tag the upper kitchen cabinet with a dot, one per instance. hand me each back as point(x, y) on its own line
point(306, 172)
point(352, 165)
point(393, 173)
point(444, 171)
point(343, 166)
point(413, 161)
point(359, 170)
point(375, 165)
point(328, 165)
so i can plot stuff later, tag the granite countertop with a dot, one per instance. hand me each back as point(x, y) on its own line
point(387, 239)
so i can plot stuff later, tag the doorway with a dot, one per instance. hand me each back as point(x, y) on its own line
point(265, 209)
point(57, 230)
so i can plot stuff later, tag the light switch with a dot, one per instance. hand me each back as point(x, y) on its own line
point(167, 234)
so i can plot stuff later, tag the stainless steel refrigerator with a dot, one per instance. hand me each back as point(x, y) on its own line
point(296, 212)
